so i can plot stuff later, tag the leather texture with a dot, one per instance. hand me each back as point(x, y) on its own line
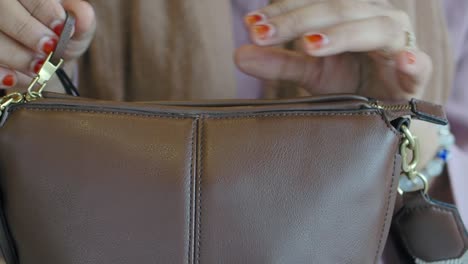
point(439, 225)
point(99, 182)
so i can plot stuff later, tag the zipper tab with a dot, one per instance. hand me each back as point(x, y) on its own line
point(417, 109)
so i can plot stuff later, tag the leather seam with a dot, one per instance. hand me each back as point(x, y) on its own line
point(286, 114)
point(310, 114)
point(191, 178)
point(422, 208)
point(386, 218)
point(168, 116)
point(199, 189)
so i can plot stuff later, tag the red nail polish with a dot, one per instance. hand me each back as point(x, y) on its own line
point(410, 57)
point(263, 31)
point(58, 29)
point(316, 41)
point(38, 65)
point(49, 46)
point(8, 80)
point(253, 19)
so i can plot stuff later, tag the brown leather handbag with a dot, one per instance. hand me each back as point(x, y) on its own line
point(310, 180)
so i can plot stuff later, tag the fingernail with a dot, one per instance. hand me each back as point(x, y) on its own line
point(254, 18)
point(410, 57)
point(36, 65)
point(47, 45)
point(57, 27)
point(263, 31)
point(316, 41)
point(8, 81)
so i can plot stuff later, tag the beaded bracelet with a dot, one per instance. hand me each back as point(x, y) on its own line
point(435, 167)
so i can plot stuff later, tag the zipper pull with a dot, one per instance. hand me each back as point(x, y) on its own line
point(417, 109)
point(44, 75)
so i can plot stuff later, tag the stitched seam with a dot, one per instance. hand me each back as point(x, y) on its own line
point(286, 114)
point(387, 211)
point(190, 229)
point(199, 188)
point(101, 112)
point(173, 115)
point(309, 114)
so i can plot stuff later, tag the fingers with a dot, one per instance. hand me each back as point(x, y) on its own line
point(278, 64)
point(416, 67)
point(376, 33)
point(8, 78)
point(13, 80)
point(85, 27)
point(20, 25)
point(320, 15)
point(48, 12)
point(15, 56)
point(29, 30)
point(275, 9)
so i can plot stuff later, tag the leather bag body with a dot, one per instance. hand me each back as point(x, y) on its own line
point(310, 180)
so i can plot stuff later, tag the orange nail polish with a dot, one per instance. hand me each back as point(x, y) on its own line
point(37, 65)
point(410, 57)
point(8, 80)
point(263, 31)
point(316, 41)
point(49, 46)
point(254, 18)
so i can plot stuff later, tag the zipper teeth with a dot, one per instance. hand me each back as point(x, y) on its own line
point(396, 107)
point(399, 107)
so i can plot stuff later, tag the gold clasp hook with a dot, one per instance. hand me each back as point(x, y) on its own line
point(410, 146)
point(13, 98)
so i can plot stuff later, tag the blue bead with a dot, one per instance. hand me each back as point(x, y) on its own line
point(443, 154)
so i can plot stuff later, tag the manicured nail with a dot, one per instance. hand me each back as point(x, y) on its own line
point(254, 18)
point(316, 41)
point(57, 27)
point(8, 81)
point(263, 31)
point(47, 45)
point(36, 65)
point(410, 57)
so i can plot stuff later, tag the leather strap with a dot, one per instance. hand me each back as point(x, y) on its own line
point(430, 231)
point(64, 38)
point(59, 53)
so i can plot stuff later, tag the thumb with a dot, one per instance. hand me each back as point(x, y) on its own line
point(278, 64)
point(85, 27)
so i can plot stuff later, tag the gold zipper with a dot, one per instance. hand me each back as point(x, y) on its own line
point(396, 107)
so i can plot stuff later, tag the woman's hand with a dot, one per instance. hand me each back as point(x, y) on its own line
point(348, 46)
point(29, 31)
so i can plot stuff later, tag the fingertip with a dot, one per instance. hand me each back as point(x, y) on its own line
point(8, 78)
point(415, 63)
point(416, 67)
point(244, 55)
point(85, 17)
